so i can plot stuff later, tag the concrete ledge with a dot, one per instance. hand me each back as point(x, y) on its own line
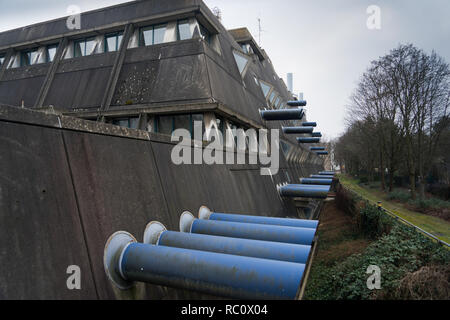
point(46, 119)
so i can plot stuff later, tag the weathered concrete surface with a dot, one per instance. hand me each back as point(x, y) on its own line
point(66, 185)
point(40, 229)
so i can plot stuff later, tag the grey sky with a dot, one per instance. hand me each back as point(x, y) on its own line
point(325, 43)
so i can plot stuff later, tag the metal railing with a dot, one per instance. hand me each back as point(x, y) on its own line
point(396, 217)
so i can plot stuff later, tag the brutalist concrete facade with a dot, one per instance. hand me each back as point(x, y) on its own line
point(68, 179)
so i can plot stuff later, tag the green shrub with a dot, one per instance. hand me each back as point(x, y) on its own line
point(363, 180)
point(431, 203)
point(345, 201)
point(373, 222)
point(398, 251)
point(402, 196)
point(401, 251)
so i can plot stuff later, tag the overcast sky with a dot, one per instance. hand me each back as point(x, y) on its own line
point(325, 43)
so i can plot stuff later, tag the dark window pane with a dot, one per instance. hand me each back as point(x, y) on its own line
point(79, 48)
point(184, 30)
point(183, 122)
point(123, 123)
point(205, 34)
point(158, 35)
point(165, 124)
point(25, 59)
point(134, 123)
point(2, 60)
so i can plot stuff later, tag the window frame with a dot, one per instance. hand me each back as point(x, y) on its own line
point(83, 40)
point(271, 88)
point(181, 21)
point(205, 34)
point(27, 51)
point(47, 56)
point(152, 28)
point(115, 35)
point(128, 119)
point(243, 56)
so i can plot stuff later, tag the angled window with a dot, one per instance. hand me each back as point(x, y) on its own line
point(247, 48)
point(152, 35)
point(265, 88)
point(85, 47)
point(183, 121)
point(2, 59)
point(204, 34)
point(146, 36)
point(51, 52)
point(183, 30)
point(112, 41)
point(158, 34)
point(272, 97)
point(131, 123)
point(277, 103)
point(241, 61)
point(29, 57)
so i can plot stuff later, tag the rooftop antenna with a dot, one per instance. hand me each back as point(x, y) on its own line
point(218, 13)
point(260, 30)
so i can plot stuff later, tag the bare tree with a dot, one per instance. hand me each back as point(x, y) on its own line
point(394, 113)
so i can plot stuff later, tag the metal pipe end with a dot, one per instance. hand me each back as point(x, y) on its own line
point(186, 221)
point(114, 247)
point(204, 213)
point(152, 232)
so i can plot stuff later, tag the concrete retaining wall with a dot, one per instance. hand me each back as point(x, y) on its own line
point(67, 184)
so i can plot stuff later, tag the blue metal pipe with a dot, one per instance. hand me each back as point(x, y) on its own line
point(283, 114)
point(308, 140)
point(322, 153)
point(326, 182)
point(317, 148)
point(327, 173)
point(318, 176)
point(304, 191)
point(309, 124)
point(206, 214)
point(252, 231)
point(297, 103)
point(292, 130)
point(211, 273)
point(316, 134)
point(241, 247)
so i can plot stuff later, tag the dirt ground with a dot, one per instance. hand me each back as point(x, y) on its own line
point(338, 236)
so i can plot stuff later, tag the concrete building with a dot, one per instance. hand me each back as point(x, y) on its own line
point(69, 101)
